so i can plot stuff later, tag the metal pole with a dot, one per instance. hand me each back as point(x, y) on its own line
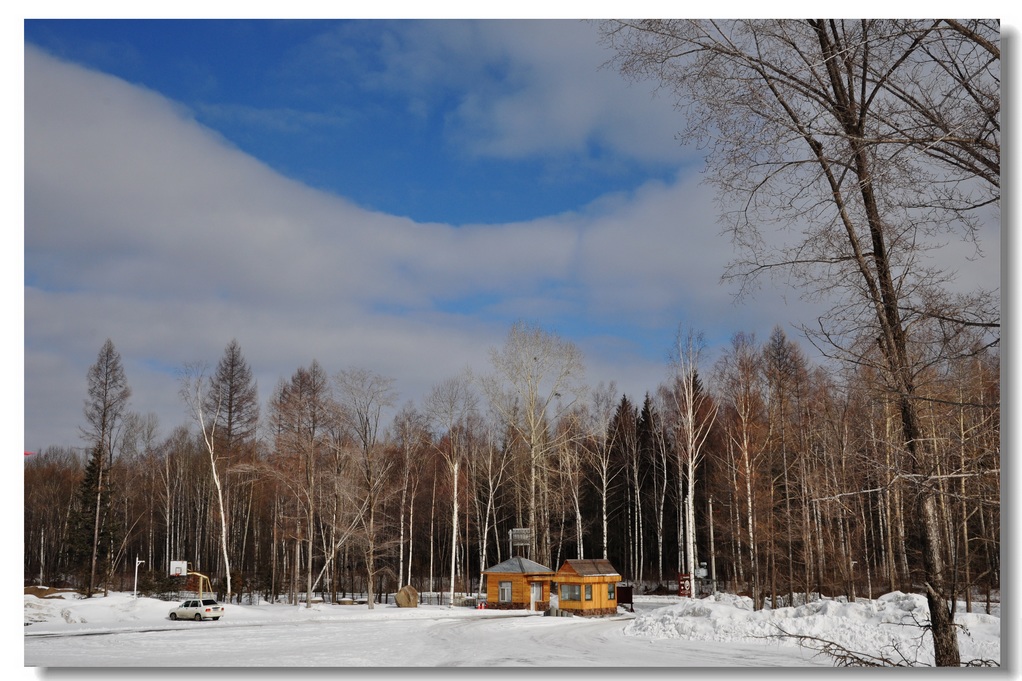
point(713, 553)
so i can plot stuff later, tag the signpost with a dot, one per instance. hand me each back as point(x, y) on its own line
point(685, 585)
point(521, 536)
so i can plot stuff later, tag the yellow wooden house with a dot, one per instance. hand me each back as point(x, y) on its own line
point(518, 584)
point(587, 587)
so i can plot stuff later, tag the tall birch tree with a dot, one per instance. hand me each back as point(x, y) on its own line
point(600, 453)
point(364, 395)
point(199, 394)
point(449, 406)
point(302, 415)
point(865, 142)
point(693, 414)
point(538, 377)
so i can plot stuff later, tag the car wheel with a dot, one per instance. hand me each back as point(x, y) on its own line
point(173, 615)
point(198, 617)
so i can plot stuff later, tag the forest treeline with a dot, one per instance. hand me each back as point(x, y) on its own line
point(851, 160)
point(779, 477)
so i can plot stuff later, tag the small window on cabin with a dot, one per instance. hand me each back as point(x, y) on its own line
point(571, 592)
point(504, 592)
point(610, 591)
point(589, 592)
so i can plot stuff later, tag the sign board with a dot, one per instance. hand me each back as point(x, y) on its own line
point(685, 585)
point(179, 568)
point(521, 536)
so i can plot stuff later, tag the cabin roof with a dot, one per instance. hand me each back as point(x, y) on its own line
point(591, 567)
point(517, 564)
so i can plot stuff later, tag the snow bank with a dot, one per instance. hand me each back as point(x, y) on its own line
point(886, 627)
point(889, 626)
point(67, 611)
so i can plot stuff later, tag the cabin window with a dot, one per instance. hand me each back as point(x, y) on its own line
point(610, 591)
point(589, 592)
point(571, 592)
point(504, 592)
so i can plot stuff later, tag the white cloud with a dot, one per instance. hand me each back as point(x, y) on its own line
point(514, 89)
point(559, 99)
point(145, 227)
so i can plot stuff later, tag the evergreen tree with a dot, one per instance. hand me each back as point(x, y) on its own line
point(232, 404)
point(623, 434)
point(654, 456)
point(81, 535)
point(108, 398)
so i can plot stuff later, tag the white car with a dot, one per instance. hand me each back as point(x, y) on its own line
point(205, 609)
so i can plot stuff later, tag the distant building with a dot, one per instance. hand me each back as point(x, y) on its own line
point(518, 584)
point(587, 587)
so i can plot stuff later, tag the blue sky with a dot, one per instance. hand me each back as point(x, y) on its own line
point(382, 194)
point(397, 116)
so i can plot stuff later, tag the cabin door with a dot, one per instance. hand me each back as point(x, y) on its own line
point(535, 594)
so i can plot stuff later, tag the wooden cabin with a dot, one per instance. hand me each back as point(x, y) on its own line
point(587, 587)
point(518, 584)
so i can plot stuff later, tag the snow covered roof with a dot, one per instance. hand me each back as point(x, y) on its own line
point(517, 564)
point(591, 567)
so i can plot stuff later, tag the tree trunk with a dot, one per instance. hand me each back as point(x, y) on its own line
point(95, 530)
point(454, 523)
point(942, 627)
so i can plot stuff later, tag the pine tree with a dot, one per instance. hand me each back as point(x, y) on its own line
point(79, 548)
point(108, 398)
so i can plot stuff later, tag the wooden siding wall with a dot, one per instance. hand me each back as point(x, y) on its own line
point(520, 598)
point(599, 605)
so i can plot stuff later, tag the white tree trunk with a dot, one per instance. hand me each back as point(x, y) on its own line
point(454, 526)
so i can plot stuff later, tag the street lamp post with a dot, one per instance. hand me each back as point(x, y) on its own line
point(137, 563)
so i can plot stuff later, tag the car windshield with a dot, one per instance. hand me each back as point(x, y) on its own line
point(209, 601)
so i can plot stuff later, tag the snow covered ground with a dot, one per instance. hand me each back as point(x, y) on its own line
point(664, 632)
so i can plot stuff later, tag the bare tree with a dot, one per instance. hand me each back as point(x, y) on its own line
point(537, 378)
point(739, 380)
point(108, 398)
point(601, 451)
point(490, 465)
point(138, 449)
point(234, 397)
point(51, 478)
point(626, 455)
point(302, 415)
point(410, 435)
point(363, 395)
point(449, 407)
point(867, 140)
point(233, 387)
point(571, 461)
point(693, 414)
point(785, 368)
point(199, 393)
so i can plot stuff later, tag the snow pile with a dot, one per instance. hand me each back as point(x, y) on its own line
point(68, 611)
point(889, 627)
point(668, 630)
